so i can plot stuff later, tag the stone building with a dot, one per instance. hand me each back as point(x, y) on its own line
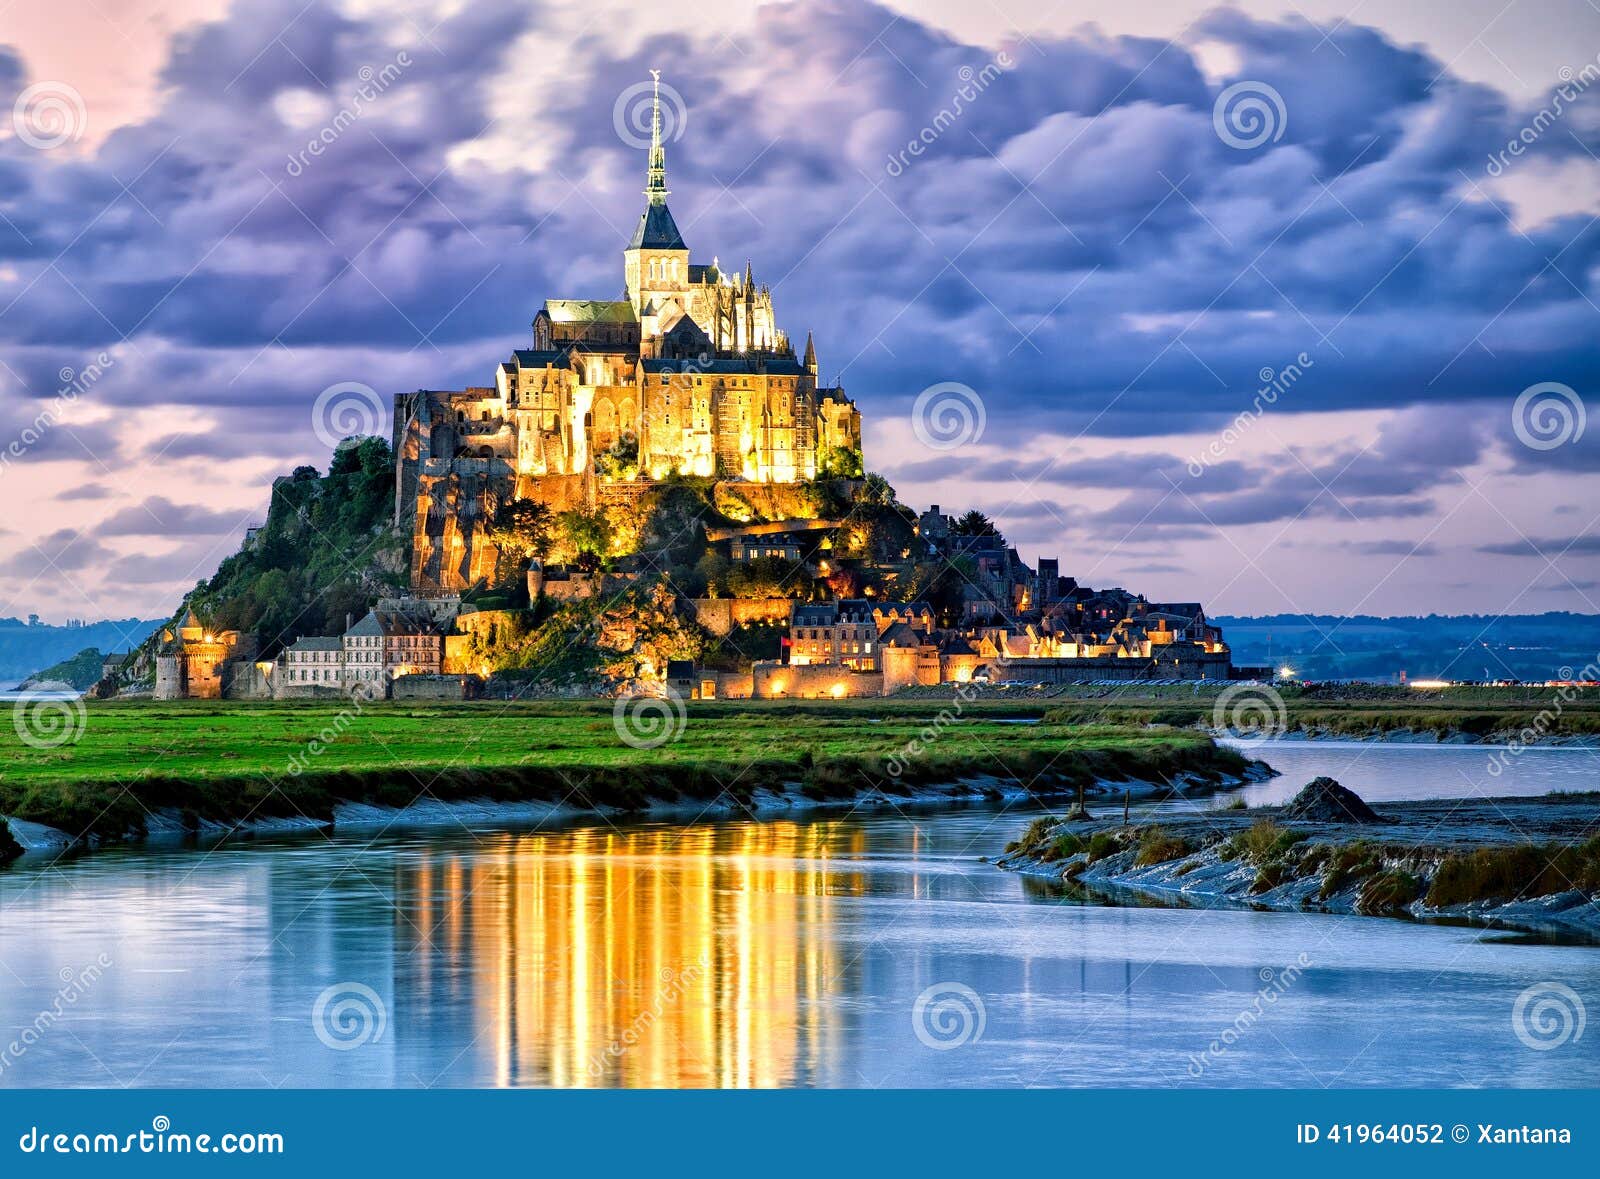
point(191, 659)
point(312, 662)
point(1054, 632)
point(688, 372)
point(385, 646)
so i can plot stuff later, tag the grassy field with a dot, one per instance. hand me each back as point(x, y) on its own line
point(230, 760)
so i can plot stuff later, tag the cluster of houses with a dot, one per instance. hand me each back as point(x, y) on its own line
point(389, 651)
point(1014, 624)
point(856, 647)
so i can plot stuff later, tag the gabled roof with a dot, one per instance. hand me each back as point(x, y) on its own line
point(530, 358)
point(900, 634)
point(390, 622)
point(315, 643)
point(589, 310)
point(657, 230)
point(814, 613)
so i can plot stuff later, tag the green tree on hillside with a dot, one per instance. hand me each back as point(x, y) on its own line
point(522, 530)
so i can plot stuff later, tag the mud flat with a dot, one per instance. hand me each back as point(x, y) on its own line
point(1520, 863)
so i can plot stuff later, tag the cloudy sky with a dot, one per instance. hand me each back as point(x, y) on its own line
point(1117, 226)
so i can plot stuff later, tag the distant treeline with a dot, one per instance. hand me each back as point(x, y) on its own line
point(1557, 645)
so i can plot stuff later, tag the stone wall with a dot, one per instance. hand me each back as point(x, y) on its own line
point(245, 680)
point(308, 692)
point(815, 681)
point(436, 687)
point(721, 615)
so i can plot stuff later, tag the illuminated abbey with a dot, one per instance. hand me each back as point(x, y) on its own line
point(688, 373)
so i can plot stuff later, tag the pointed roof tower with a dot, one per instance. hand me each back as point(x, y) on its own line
point(811, 356)
point(657, 230)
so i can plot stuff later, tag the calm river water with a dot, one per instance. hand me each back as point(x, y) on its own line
point(745, 954)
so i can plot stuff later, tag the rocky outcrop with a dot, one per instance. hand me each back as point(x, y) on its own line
point(1325, 801)
point(10, 849)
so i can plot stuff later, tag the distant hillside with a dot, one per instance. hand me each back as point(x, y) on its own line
point(1461, 647)
point(26, 649)
point(82, 671)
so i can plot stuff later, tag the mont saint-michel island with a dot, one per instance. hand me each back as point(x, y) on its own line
point(659, 497)
point(648, 569)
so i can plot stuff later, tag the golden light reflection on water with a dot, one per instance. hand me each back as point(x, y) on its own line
point(663, 957)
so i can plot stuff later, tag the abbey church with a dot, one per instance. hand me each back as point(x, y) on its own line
point(686, 373)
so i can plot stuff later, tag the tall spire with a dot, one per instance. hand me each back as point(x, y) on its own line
point(656, 187)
